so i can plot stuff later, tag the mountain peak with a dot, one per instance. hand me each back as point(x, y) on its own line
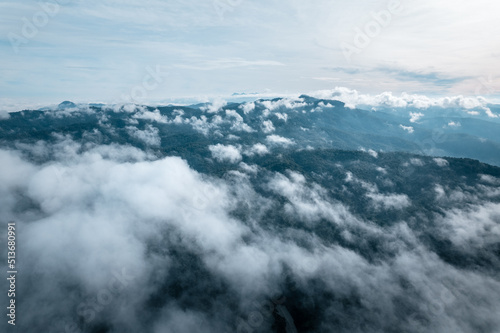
point(66, 105)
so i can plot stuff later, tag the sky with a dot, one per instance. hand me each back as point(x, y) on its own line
point(158, 50)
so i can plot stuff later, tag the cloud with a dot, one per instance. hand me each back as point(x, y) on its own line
point(490, 179)
point(210, 265)
point(454, 124)
point(309, 203)
point(286, 103)
point(208, 249)
point(238, 123)
point(490, 114)
point(409, 129)
point(417, 162)
point(415, 116)
point(215, 106)
point(373, 153)
point(389, 201)
point(249, 168)
point(248, 107)
point(154, 115)
point(224, 153)
point(387, 99)
point(4, 114)
point(430, 78)
point(202, 124)
point(203, 253)
point(176, 320)
point(257, 149)
point(267, 126)
point(279, 140)
point(386, 201)
point(282, 116)
point(483, 232)
point(149, 135)
point(441, 162)
point(230, 63)
point(203, 65)
point(370, 152)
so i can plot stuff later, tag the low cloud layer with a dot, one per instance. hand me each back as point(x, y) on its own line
point(197, 219)
point(116, 239)
point(353, 99)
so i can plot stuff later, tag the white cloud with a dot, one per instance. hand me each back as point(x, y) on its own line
point(238, 124)
point(440, 192)
point(415, 116)
point(224, 153)
point(409, 129)
point(323, 105)
point(288, 103)
point(248, 107)
point(150, 135)
point(154, 115)
point(128, 108)
point(417, 162)
point(176, 320)
point(4, 114)
point(380, 200)
point(373, 153)
point(441, 162)
point(389, 201)
point(147, 211)
point(491, 114)
point(309, 203)
point(249, 168)
point(387, 99)
point(370, 152)
point(349, 177)
point(279, 140)
point(490, 179)
point(215, 106)
point(267, 126)
point(474, 227)
point(128, 203)
point(282, 116)
point(257, 149)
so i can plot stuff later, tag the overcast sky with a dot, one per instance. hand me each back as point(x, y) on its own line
point(106, 51)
